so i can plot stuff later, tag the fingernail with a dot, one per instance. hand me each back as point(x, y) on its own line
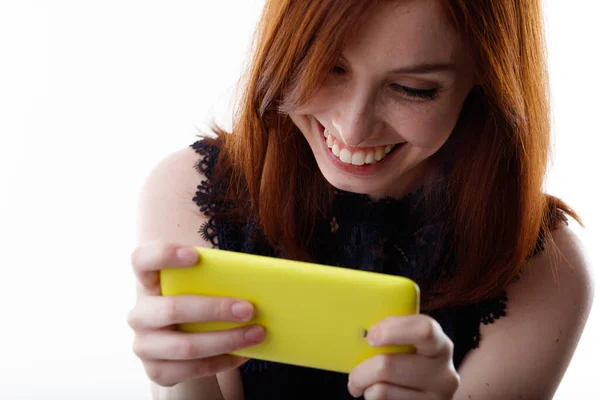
point(255, 334)
point(242, 311)
point(187, 255)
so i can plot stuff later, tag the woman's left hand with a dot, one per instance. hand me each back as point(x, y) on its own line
point(428, 374)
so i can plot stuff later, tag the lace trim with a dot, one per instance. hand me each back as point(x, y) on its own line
point(205, 190)
point(492, 310)
point(489, 311)
point(204, 199)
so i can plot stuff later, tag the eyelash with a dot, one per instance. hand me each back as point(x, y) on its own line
point(412, 93)
point(418, 94)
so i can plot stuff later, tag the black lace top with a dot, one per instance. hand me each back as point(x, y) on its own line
point(387, 236)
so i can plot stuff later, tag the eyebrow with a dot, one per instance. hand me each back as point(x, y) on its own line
point(425, 68)
point(422, 68)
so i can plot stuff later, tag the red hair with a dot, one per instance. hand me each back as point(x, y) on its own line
point(496, 157)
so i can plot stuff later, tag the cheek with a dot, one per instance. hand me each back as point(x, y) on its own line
point(428, 133)
point(431, 126)
point(302, 116)
point(303, 123)
point(320, 102)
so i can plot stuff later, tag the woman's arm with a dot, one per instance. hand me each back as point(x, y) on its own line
point(199, 389)
point(525, 355)
point(166, 211)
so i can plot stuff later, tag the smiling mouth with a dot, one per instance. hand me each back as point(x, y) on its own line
point(355, 155)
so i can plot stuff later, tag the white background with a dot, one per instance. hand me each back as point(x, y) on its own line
point(93, 94)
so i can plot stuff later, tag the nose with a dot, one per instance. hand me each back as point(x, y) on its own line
point(354, 117)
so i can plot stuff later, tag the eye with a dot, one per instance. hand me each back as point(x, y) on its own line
point(337, 70)
point(415, 94)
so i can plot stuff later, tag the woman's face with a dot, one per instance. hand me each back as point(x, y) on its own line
point(391, 102)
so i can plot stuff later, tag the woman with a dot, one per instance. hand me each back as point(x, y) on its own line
point(402, 137)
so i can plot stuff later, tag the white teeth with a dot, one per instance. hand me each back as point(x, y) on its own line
point(335, 150)
point(346, 156)
point(330, 141)
point(358, 158)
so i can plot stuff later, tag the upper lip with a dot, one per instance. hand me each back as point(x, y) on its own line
point(357, 147)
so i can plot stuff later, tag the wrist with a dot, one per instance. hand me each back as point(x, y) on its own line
point(206, 388)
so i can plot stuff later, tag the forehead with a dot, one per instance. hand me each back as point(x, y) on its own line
point(407, 31)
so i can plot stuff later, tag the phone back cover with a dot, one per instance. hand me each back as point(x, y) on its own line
point(315, 316)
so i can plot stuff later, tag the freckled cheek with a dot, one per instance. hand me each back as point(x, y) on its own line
point(319, 103)
point(426, 134)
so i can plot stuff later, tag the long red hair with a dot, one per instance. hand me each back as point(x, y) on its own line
point(496, 156)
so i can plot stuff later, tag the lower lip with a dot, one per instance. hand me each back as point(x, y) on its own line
point(365, 169)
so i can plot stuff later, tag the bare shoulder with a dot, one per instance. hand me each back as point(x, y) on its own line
point(166, 210)
point(533, 345)
point(561, 274)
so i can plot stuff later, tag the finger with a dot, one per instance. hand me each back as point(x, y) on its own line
point(410, 371)
point(421, 331)
point(381, 391)
point(148, 259)
point(175, 345)
point(169, 373)
point(153, 312)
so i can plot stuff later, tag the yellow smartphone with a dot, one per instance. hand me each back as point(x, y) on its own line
point(315, 316)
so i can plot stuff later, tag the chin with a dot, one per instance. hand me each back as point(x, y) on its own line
point(359, 185)
point(374, 185)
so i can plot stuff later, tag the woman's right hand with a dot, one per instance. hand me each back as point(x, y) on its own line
point(170, 356)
